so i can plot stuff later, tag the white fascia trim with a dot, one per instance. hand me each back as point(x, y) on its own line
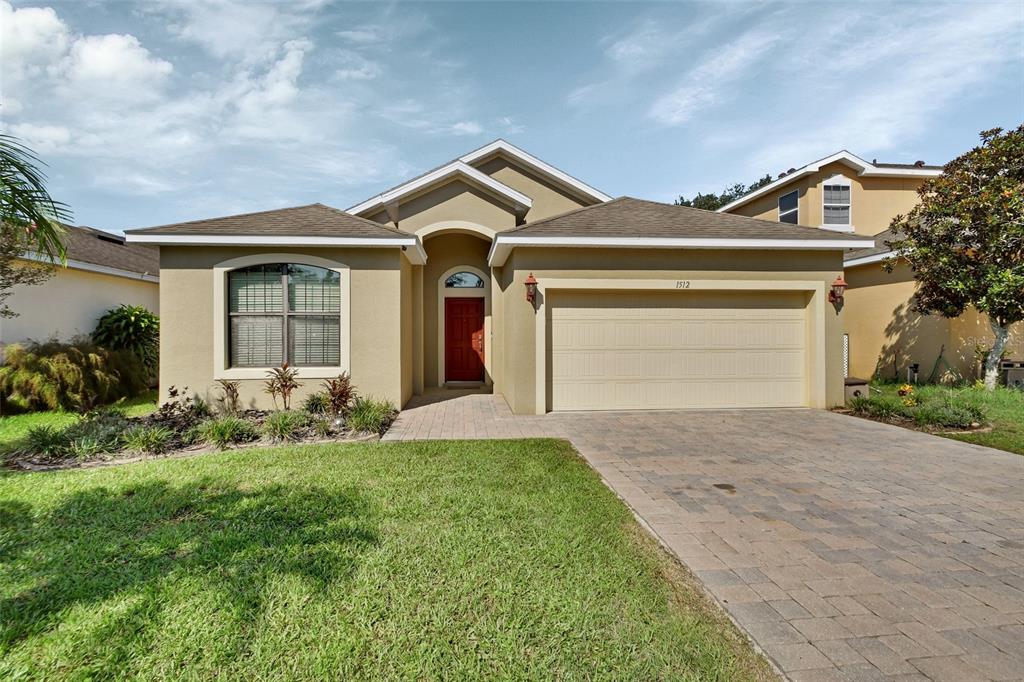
point(532, 161)
point(864, 168)
point(867, 260)
point(411, 245)
point(92, 267)
point(443, 173)
point(503, 245)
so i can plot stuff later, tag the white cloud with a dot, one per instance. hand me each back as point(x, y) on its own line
point(112, 66)
point(42, 138)
point(364, 35)
point(713, 80)
point(355, 67)
point(510, 126)
point(30, 38)
point(467, 128)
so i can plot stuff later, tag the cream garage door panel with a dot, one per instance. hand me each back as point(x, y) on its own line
point(668, 350)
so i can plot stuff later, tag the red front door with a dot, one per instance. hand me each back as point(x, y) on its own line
point(464, 339)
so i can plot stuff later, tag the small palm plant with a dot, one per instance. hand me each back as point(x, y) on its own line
point(281, 381)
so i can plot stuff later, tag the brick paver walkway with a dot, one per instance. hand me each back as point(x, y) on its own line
point(847, 549)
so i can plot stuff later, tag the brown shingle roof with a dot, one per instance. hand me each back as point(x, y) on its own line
point(878, 248)
point(628, 217)
point(314, 220)
point(102, 248)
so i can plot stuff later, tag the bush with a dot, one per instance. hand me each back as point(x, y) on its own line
point(229, 400)
point(340, 393)
point(133, 329)
point(323, 427)
point(97, 432)
point(925, 407)
point(370, 416)
point(227, 430)
point(78, 375)
point(281, 381)
point(147, 439)
point(317, 403)
point(282, 426)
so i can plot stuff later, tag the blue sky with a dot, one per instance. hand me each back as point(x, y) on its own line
point(169, 110)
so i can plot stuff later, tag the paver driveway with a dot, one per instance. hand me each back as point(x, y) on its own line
point(846, 549)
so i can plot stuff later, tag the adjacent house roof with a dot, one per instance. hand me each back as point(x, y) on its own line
point(872, 254)
point(98, 251)
point(862, 167)
point(634, 223)
point(312, 225)
point(464, 167)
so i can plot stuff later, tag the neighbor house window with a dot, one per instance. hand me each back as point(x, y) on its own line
point(284, 313)
point(464, 280)
point(835, 209)
point(788, 211)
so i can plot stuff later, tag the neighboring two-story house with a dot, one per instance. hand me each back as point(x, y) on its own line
point(883, 336)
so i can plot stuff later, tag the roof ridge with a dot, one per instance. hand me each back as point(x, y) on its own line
point(222, 217)
point(760, 220)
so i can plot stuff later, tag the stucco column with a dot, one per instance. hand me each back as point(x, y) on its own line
point(417, 329)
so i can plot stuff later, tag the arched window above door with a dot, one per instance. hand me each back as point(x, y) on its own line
point(464, 280)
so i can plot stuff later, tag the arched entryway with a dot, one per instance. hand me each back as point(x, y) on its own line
point(456, 309)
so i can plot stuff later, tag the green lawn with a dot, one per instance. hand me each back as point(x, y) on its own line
point(1004, 406)
point(12, 428)
point(458, 560)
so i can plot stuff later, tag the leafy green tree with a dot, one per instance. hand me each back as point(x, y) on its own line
point(965, 239)
point(713, 202)
point(25, 205)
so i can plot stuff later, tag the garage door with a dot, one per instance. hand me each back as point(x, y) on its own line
point(668, 350)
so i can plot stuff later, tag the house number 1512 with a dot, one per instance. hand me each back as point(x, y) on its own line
point(682, 284)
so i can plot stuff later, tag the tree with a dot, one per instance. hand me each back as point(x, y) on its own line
point(965, 239)
point(713, 202)
point(25, 205)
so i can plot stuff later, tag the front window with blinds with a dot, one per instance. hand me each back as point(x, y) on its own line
point(789, 208)
point(284, 313)
point(836, 204)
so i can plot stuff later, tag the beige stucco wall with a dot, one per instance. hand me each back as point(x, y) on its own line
point(548, 199)
point(406, 275)
point(875, 201)
point(887, 336)
point(70, 303)
point(517, 380)
point(187, 321)
point(443, 253)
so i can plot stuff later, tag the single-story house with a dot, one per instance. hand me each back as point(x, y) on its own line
point(102, 273)
point(882, 334)
point(497, 269)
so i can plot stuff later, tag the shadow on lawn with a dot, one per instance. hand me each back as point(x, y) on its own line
point(141, 543)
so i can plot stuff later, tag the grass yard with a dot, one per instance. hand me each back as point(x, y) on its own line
point(449, 559)
point(14, 427)
point(1005, 408)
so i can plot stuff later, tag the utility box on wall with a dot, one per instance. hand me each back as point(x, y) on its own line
point(1013, 373)
point(856, 388)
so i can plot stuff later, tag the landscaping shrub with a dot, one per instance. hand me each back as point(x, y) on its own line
point(147, 439)
point(78, 375)
point(370, 416)
point(229, 398)
point(225, 431)
point(925, 406)
point(317, 403)
point(282, 426)
point(323, 427)
point(281, 381)
point(44, 440)
point(340, 393)
point(180, 411)
point(134, 329)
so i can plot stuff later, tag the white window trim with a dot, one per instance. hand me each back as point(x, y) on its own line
point(845, 182)
point(443, 293)
point(221, 368)
point(778, 209)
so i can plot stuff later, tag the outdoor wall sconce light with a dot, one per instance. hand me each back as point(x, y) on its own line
point(835, 294)
point(531, 288)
